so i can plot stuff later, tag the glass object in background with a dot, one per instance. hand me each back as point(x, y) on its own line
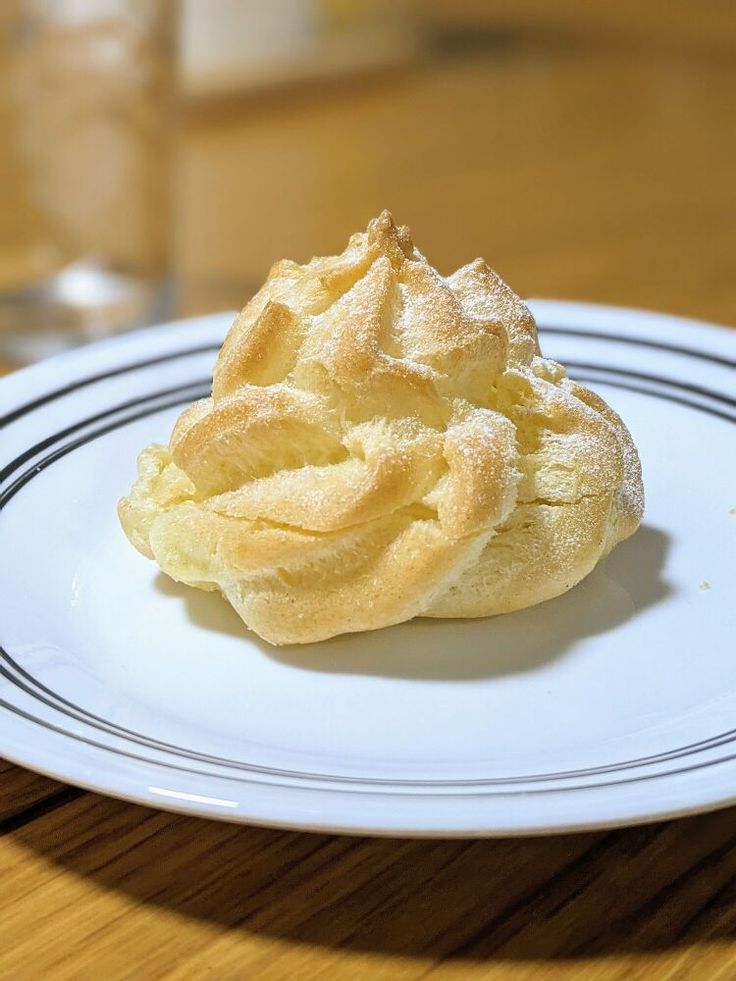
point(86, 100)
point(235, 46)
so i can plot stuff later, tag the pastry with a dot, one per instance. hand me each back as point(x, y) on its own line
point(383, 443)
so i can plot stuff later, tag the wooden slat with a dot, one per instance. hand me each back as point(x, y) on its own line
point(99, 882)
point(20, 789)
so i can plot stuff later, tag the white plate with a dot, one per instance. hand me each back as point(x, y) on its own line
point(613, 704)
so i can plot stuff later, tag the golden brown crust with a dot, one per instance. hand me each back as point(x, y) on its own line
point(382, 443)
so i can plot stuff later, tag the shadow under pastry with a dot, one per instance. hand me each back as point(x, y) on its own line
point(629, 581)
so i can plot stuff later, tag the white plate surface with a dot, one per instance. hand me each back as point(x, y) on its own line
point(613, 704)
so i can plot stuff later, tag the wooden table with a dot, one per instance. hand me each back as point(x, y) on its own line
point(602, 172)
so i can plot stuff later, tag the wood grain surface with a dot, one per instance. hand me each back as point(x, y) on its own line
point(596, 170)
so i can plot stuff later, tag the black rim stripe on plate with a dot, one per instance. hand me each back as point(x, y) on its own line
point(197, 388)
point(58, 393)
point(63, 451)
point(690, 352)
point(76, 713)
point(373, 790)
point(113, 729)
point(654, 392)
point(657, 379)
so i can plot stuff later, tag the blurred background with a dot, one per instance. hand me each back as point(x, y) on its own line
point(156, 157)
